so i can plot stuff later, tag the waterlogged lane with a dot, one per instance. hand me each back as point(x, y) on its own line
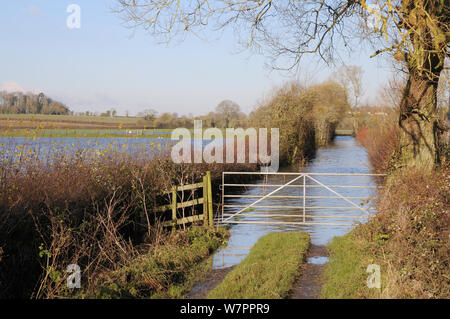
point(344, 155)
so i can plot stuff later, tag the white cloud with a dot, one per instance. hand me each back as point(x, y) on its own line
point(12, 86)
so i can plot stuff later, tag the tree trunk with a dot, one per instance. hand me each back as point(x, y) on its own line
point(419, 138)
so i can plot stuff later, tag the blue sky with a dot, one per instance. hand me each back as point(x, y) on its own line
point(104, 65)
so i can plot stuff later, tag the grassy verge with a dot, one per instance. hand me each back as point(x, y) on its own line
point(345, 274)
point(408, 239)
point(344, 132)
point(268, 271)
point(165, 270)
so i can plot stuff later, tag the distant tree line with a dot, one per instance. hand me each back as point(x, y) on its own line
point(226, 114)
point(151, 119)
point(28, 103)
point(109, 113)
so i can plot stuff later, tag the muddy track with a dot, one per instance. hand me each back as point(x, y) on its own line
point(309, 283)
point(211, 280)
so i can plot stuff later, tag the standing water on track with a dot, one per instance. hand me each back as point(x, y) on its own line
point(344, 155)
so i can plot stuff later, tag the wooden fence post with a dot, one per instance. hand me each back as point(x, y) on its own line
point(205, 201)
point(210, 207)
point(174, 207)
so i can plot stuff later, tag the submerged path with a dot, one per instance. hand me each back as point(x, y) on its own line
point(309, 282)
point(344, 155)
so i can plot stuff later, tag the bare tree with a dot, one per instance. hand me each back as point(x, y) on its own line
point(414, 31)
point(390, 94)
point(228, 110)
point(350, 78)
point(148, 114)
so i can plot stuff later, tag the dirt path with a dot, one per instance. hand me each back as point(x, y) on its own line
point(211, 280)
point(309, 282)
point(307, 285)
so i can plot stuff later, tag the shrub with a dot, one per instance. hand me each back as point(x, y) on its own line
point(306, 117)
point(381, 142)
point(329, 107)
point(163, 269)
point(89, 207)
point(408, 238)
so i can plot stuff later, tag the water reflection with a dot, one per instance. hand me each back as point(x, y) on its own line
point(318, 260)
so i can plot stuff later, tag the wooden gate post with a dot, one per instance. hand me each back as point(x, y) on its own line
point(174, 207)
point(210, 207)
point(205, 201)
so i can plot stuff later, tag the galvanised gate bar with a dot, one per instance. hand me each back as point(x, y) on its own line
point(303, 182)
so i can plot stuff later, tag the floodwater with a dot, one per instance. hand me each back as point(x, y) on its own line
point(43, 146)
point(73, 144)
point(78, 142)
point(46, 148)
point(344, 156)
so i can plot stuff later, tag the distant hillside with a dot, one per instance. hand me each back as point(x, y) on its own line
point(28, 103)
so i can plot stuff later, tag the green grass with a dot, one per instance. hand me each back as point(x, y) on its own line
point(345, 274)
point(344, 132)
point(166, 271)
point(269, 270)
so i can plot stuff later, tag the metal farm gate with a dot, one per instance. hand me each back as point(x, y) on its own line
point(306, 184)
